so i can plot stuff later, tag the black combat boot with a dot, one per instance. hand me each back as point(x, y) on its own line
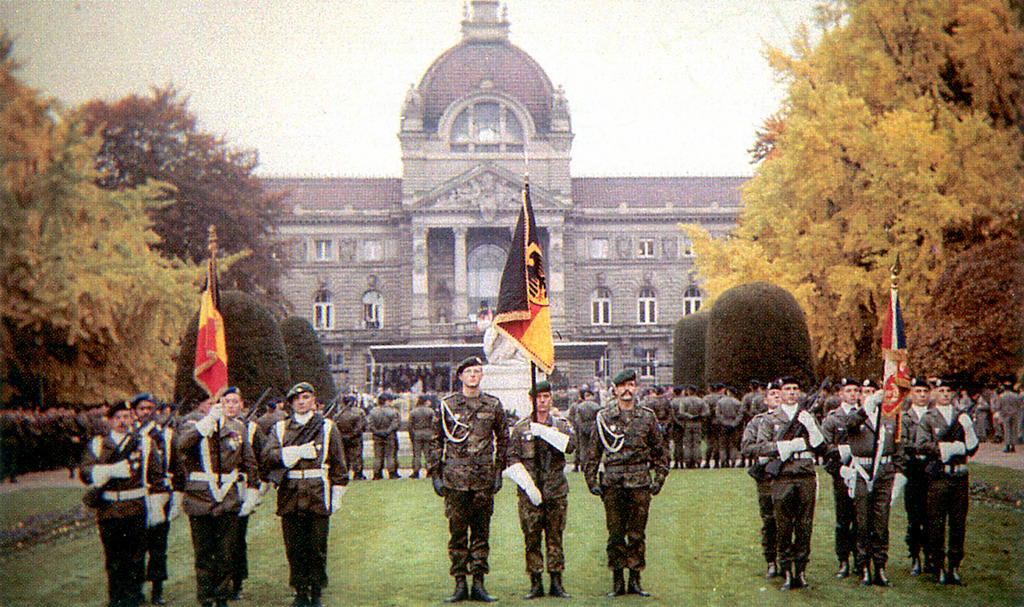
point(236, 590)
point(799, 581)
point(634, 587)
point(865, 578)
point(953, 577)
point(844, 568)
point(915, 566)
point(787, 578)
point(557, 591)
point(773, 571)
point(461, 593)
point(157, 596)
point(301, 598)
point(618, 584)
point(314, 597)
point(879, 578)
point(478, 592)
point(536, 586)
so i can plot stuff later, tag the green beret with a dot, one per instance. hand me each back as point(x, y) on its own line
point(472, 361)
point(298, 389)
point(541, 386)
point(623, 376)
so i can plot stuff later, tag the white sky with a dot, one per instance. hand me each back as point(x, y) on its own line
point(655, 87)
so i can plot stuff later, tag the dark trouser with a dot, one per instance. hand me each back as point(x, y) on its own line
point(353, 447)
point(1011, 430)
point(625, 513)
point(384, 455)
point(846, 519)
point(872, 510)
point(469, 530)
point(156, 548)
point(305, 546)
point(678, 453)
point(793, 498)
point(728, 446)
point(547, 518)
point(712, 438)
point(213, 542)
point(767, 511)
point(691, 445)
point(240, 559)
point(419, 452)
point(947, 505)
point(124, 541)
point(915, 500)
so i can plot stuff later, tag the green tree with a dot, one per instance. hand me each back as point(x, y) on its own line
point(688, 349)
point(899, 135)
point(307, 360)
point(89, 312)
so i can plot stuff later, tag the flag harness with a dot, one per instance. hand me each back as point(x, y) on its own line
point(450, 433)
point(618, 440)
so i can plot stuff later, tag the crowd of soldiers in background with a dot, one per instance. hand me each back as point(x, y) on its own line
point(704, 429)
point(405, 378)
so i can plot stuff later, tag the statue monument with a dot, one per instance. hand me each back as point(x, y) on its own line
point(507, 373)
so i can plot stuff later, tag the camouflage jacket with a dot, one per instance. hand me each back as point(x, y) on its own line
point(469, 445)
point(143, 459)
point(632, 449)
point(350, 422)
point(545, 464)
point(692, 410)
point(382, 421)
point(729, 412)
point(421, 422)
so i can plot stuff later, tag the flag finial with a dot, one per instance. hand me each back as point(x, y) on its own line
point(211, 240)
point(895, 269)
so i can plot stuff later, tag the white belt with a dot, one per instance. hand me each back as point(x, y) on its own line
point(954, 468)
point(803, 455)
point(213, 477)
point(763, 460)
point(306, 474)
point(124, 496)
point(866, 461)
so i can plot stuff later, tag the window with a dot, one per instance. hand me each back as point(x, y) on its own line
point(601, 366)
point(601, 306)
point(323, 310)
point(373, 310)
point(646, 307)
point(486, 127)
point(649, 362)
point(691, 300)
point(484, 265)
point(646, 248)
point(323, 250)
point(599, 248)
point(373, 250)
point(687, 249)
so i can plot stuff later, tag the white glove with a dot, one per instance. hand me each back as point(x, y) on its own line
point(291, 455)
point(550, 434)
point(519, 475)
point(970, 438)
point(102, 473)
point(813, 433)
point(249, 503)
point(264, 489)
point(155, 503)
point(337, 492)
point(898, 484)
point(948, 450)
point(175, 510)
point(845, 455)
point(849, 476)
point(208, 424)
point(785, 449)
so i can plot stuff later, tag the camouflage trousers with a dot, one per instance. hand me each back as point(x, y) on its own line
point(793, 498)
point(548, 519)
point(846, 521)
point(469, 530)
point(691, 445)
point(419, 452)
point(384, 451)
point(625, 513)
point(353, 447)
point(766, 510)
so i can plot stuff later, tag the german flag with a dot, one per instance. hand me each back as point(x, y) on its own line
point(211, 366)
point(522, 313)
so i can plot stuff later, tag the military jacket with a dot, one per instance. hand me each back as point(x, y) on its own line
point(662, 410)
point(773, 429)
point(833, 428)
point(728, 412)
point(306, 486)
point(748, 442)
point(860, 435)
point(350, 422)
point(117, 494)
point(382, 421)
point(469, 445)
point(692, 410)
point(545, 464)
point(631, 447)
point(163, 439)
point(585, 414)
point(932, 430)
point(1008, 404)
point(268, 419)
point(421, 422)
point(215, 470)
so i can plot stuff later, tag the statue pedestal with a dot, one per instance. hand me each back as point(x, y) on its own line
point(510, 382)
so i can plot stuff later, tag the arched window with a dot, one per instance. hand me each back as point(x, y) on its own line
point(601, 306)
point(484, 265)
point(323, 310)
point(486, 127)
point(692, 299)
point(373, 310)
point(646, 307)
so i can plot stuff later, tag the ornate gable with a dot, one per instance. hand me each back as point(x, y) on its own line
point(487, 189)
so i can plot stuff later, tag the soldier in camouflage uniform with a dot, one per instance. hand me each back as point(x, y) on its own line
point(536, 459)
point(421, 428)
point(729, 419)
point(351, 424)
point(467, 455)
point(710, 430)
point(834, 430)
point(749, 447)
point(660, 402)
point(632, 448)
point(585, 414)
point(383, 423)
point(692, 413)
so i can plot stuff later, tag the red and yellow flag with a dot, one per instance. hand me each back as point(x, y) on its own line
point(211, 366)
point(522, 313)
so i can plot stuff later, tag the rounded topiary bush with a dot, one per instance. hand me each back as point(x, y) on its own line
point(757, 331)
point(256, 354)
point(688, 349)
point(307, 360)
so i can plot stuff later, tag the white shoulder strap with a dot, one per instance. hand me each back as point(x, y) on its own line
point(97, 446)
point(279, 429)
point(147, 443)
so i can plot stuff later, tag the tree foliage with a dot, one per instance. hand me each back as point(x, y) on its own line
point(307, 360)
point(688, 349)
point(899, 135)
point(206, 181)
point(89, 311)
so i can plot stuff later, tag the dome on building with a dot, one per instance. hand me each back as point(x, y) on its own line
point(485, 59)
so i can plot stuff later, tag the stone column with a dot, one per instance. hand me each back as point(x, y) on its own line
point(460, 309)
point(420, 292)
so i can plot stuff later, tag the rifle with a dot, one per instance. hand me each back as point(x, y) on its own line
point(252, 410)
point(93, 496)
point(773, 467)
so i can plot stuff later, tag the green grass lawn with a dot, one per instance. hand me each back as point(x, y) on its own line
point(387, 547)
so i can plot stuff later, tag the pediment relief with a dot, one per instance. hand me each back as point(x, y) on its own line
point(487, 190)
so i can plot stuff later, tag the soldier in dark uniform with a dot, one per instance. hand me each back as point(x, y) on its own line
point(220, 480)
point(749, 448)
point(235, 408)
point(585, 414)
point(536, 459)
point(273, 414)
point(660, 403)
point(791, 436)
point(948, 439)
point(692, 413)
point(915, 494)
point(351, 424)
point(729, 419)
point(467, 455)
point(421, 429)
point(632, 448)
point(870, 458)
point(383, 424)
point(675, 427)
point(304, 451)
point(1008, 405)
point(834, 430)
point(118, 466)
point(710, 430)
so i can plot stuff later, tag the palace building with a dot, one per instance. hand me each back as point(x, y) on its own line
point(403, 270)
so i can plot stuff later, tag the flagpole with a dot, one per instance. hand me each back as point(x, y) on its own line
point(533, 396)
point(894, 273)
point(211, 244)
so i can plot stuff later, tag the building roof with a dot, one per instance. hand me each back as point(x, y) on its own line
point(328, 193)
point(656, 192)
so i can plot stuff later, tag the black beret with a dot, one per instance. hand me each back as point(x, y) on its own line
point(231, 390)
point(849, 381)
point(623, 376)
point(121, 405)
point(691, 387)
point(918, 381)
point(870, 383)
point(541, 386)
point(942, 382)
point(472, 361)
point(298, 389)
point(788, 380)
point(775, 385)
point(138, 398)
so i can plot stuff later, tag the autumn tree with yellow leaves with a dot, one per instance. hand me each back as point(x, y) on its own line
point(900, 134)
